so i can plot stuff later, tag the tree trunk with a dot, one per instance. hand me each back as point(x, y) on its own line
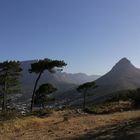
point(35, 86)
point(43, 106)
point(4, 103)
point(84, 103)
point(4, 97)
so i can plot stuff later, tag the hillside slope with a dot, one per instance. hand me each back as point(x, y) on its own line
point(124, 75)
point(78, 127)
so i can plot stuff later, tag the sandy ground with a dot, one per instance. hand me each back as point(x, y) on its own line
point(77, 127)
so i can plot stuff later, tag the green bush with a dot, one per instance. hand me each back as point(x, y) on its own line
point(136, 99)
point(126, 95)
point(92, 110)
point(9, 115)
point(41, 112)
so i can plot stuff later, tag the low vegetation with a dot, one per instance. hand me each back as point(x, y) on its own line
point(10, 114)
point(41, 113)
point(127, 95)
point(109, 107)
point(120, 101)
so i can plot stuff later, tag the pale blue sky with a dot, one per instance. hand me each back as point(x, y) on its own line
point(90, 35)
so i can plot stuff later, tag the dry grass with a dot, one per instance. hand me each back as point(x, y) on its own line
point(54, 126)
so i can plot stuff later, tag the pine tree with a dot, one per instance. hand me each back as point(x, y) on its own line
point(9, 80)
point(39, 67)
point(41, 95)
point(84, 88)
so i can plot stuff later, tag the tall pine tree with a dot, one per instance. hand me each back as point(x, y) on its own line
point(39, 67)
point(9, 80)
point(84, 88)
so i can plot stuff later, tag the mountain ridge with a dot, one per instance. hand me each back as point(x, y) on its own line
point(123, 76)
point(122, 70)
point(61, 80)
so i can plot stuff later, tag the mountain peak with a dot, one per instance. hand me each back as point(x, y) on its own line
point(123, 64)
point(124, 75)
point(124, 61)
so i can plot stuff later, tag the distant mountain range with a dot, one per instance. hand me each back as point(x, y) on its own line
point(61, 80)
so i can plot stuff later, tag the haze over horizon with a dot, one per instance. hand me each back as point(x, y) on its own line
point(90, 36)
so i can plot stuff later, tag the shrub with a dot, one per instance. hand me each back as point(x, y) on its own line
point(9, 115)
point(136, 99)
point(90, 110)
point(41, 112)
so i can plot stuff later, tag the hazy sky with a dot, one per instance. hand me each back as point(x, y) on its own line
point(90, 35)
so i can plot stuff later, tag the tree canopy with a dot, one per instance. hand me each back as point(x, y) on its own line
point(86, 86)
point(46, 64)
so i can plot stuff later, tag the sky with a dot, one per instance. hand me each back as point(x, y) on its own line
point(89, 35)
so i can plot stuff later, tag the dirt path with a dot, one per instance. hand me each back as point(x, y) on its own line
point(78, 126)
